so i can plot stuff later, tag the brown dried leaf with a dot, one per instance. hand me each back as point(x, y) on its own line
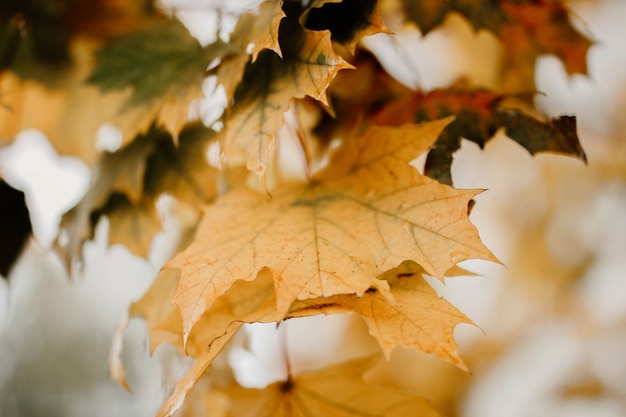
point(479, 114)
point(428, 14)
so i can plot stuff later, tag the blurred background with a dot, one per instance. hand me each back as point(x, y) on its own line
point(551, 321)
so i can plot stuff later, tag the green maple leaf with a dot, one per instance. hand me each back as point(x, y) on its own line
point(162, 59)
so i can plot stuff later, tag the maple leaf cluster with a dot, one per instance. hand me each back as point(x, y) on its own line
point(356, 236)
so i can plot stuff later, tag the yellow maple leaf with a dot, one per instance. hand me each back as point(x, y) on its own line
point(259, 29)
point(335, 391)
point(59, 110)
point(244, 302)
point(201, 363)
point(162, 317)
point(365, 214)
point(307, 67)
point(416, 318)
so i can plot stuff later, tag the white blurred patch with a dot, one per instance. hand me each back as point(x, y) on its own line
point(52, 184)
point(108, 138)
point(527, 377)
point(263, 361)
point(445, 55)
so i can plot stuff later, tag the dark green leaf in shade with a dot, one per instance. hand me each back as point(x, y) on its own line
point(118, 172)
point(127, 183)
point(131, 225)
point(183, 170)
point(31, 32)
point(37, 36)
point(15, 226)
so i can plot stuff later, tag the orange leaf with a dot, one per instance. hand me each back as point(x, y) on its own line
point(527, 28)
point(537, 28)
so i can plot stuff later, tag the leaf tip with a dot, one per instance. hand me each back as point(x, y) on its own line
point(116, 367)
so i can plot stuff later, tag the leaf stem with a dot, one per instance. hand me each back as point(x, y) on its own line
point(282, 333)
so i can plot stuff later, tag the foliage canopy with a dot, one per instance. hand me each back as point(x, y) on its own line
point(356, 235)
